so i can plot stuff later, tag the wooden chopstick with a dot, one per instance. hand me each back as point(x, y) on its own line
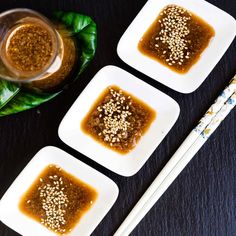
point(194, 141)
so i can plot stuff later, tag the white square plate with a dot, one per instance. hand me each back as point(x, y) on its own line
point(167, 113)
point(225, 31)
point(106, 188)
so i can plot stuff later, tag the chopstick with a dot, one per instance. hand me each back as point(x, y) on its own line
point(194, 141)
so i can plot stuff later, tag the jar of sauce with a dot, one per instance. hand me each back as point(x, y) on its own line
point(33, 51)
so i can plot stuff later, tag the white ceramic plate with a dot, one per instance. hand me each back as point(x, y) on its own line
point(167, 113)
point(106, 188)
point(225, 31)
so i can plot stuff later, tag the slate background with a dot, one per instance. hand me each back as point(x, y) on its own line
point(202, 201)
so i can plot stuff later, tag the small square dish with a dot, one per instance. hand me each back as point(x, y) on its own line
point(173, 41)
point(129, 163)
point(27, 225)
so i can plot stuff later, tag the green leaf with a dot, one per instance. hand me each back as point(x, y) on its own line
point(14, 99)
point(85, 31)
point(7, 91)
point(24, 101)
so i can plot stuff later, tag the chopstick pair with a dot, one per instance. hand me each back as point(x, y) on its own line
point(194, 141)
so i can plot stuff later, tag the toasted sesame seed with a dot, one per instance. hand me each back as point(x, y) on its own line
point(53, 201)
point(114, 116)
point(173, 32)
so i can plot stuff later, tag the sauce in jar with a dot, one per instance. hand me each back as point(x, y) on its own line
point(34, 52)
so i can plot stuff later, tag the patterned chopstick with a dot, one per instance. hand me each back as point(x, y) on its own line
point(191, 145)
point(215, 108)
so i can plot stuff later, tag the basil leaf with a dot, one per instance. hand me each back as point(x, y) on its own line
point(14, 99)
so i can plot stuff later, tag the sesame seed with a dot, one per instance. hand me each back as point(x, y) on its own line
point(113, 115)
point(54, 204)
point(173, 32)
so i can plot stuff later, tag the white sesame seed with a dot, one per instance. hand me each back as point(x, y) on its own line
point(174, 31)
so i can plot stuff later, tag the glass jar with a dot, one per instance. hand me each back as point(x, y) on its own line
point(32, 51)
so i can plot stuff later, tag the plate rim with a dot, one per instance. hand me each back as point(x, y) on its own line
point(65, 120)
point(136, 65)
point(34, 160)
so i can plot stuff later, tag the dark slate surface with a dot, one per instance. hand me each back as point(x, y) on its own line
point(202, 201)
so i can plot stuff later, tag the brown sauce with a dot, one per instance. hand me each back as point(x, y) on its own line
point(118, 120)
point(29, 48)
point(34, 50)
point(57, 200)
point(176, 38)
point(66, 70)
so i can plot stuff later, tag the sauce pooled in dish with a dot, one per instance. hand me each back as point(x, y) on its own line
point(57, 200)
point(118, 120)
point(176, 38)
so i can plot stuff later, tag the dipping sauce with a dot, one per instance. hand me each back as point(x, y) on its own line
point(29, 48)
point(66, 69)
point(176, 38)
point(57, 200)
point(40, 55)
point(118, 120)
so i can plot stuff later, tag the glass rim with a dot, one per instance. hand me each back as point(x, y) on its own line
point(55, 35)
